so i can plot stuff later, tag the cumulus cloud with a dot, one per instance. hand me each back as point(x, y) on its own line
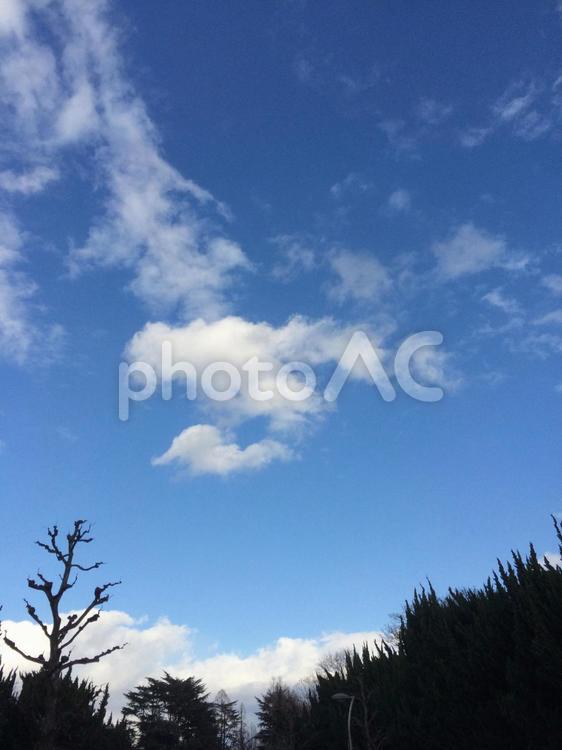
point(243, 345)
point(74, 90)
point(149, 648)
point(360, 278)
point(237, 341)
point(204, 449)
point(163, 645)
point(470, 250)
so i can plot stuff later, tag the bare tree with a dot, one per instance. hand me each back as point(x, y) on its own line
point(62, 635)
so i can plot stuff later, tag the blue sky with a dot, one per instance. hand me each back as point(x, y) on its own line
point(284, 173)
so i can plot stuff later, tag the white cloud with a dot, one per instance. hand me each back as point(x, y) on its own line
point(204, 449)
point(399, 202)
point(433, 112)
point(28, 183)
point(554, 317)
point(150, 649)
point(209, 449)
point(524, 107)
point(497, 298)
point(298, 257)
point(18, 332)
point(515, 101)
point(78, 117)
point(436, 367)
point(236, 341)
point(361, 278)
point(160, 225)
point(12, 17)
point(474, 136)
point(470, 250)
point(553, 282)
point(163, 645)
point(399, 137)
point(352, 183)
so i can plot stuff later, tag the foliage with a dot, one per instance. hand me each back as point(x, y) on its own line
point(83, 722)
point(475, 669)
point(173, 713)
point(281, 716)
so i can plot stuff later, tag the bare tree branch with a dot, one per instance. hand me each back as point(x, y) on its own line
point(92, 659)
point(32, 612)
point(36, 659)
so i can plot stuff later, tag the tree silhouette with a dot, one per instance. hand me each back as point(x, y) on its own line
point(61, 636)
point(172, 712)
point(280, 716)
point(228, 720)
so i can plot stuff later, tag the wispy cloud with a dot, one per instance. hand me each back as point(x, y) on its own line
point(399, 202)
point(526, 108)
point(498, 299)
point(28, 183)
point(470, 250)
point(433, 112)
point(553, 282)
point(553, 317)
point(352, 183)
point(20, 328)
point(297, 256)
point(358, 277)
point(162, 226)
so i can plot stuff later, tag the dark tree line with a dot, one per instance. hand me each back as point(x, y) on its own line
point(478, 669)
point(82, 722)
point(167, 713)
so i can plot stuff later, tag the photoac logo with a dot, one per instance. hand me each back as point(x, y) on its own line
point(293, 381)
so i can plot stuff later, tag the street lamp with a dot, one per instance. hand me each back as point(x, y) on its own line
point(342, 698)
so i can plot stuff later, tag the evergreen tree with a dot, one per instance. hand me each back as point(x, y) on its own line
point(228, 722)
point(476, 669)
point(83, 724)
point(280, 716)
point(172, 713)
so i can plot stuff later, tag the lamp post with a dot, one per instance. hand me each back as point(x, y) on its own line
point(342, 698)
